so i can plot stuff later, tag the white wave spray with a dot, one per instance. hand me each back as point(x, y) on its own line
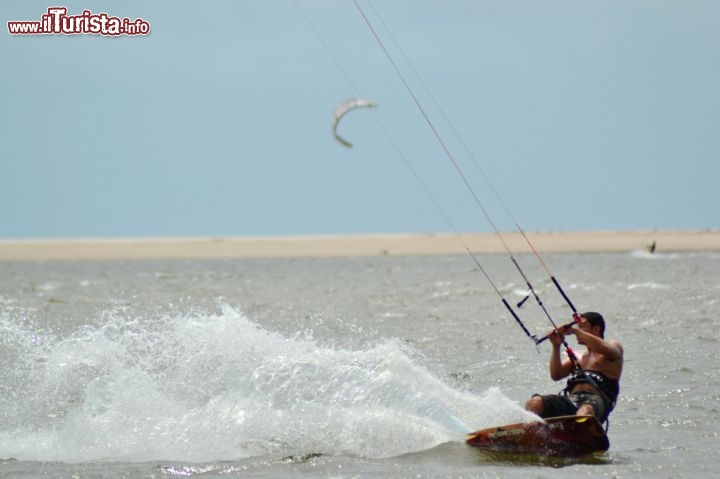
point(219, 387)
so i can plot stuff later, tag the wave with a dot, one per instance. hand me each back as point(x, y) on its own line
point(220, 387)
point(644, 254)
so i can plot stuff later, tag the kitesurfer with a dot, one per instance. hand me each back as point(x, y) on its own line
point(651, 248)
point(593, 387)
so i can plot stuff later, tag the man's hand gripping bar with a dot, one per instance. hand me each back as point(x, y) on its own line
point(576, 319)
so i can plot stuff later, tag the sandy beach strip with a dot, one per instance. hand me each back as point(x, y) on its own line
point(355, 245)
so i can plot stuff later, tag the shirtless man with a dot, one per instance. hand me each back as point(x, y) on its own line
point(591, 390)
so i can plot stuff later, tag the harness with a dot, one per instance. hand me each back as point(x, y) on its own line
point(609, 389)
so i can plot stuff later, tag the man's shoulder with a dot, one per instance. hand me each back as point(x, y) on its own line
point(615, 344)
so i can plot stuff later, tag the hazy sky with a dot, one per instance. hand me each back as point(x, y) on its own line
point(584, 116)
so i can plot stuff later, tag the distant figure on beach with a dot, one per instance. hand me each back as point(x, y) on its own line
point(591, 389)
point(651, 248)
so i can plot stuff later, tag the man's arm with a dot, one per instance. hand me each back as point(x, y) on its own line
point(558, 368)
point(595, 344)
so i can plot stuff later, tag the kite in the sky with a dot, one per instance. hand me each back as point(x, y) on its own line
point(342, 110)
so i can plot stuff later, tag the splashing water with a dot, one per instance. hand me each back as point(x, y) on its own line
point(220, 387)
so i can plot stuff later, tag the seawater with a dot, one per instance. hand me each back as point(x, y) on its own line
point(343, 367)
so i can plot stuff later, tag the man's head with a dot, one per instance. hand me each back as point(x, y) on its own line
point(595, 320)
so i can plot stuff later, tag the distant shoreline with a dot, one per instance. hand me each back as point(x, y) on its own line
point(354, 245)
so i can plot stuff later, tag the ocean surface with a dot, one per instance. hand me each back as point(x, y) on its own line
point(342, 367)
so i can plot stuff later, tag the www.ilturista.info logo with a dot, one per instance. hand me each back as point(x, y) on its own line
point(57, 22)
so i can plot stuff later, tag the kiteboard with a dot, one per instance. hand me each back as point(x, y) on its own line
point(563, 436)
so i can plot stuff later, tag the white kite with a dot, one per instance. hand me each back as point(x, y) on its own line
point(342, 110)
